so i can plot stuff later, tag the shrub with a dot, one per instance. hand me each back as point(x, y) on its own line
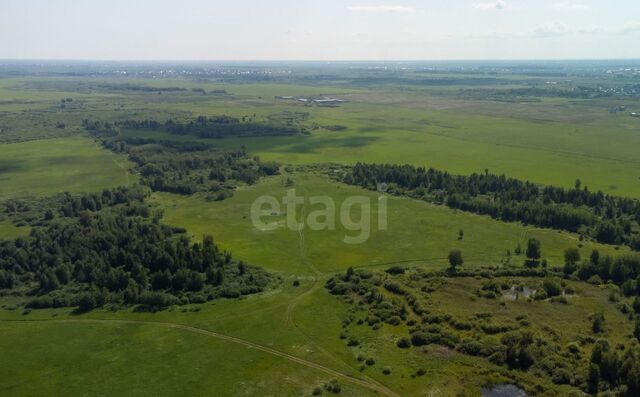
point(372, 320)
point(87, 301)
point(636, 305)
point(461, 325)
point(561, 376)
point(541, 294)
point(157, 299)
point(476, 348)
point(455, 259)
point(489, 295)
point(386, 370)
point(595, 280)
point(573, 348)
point(559, 299)
point(551, 288)
point(394, 287)
point(420, 338)
point(403, 343)
point(395, 270)
point(597, 325)
point(333, 387)
point(493, 329)
point(394, 320)
point(370, 361)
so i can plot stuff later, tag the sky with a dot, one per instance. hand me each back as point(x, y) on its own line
point(319, 29)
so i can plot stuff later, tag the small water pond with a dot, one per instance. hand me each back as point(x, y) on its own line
point(503, 391)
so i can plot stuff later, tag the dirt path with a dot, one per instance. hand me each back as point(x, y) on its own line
point(363, 383)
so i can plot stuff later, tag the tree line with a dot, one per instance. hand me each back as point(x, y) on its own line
point(203, 127)
point(609, 219)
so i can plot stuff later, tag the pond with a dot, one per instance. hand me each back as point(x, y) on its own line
point(517, 291)
point(503, 391)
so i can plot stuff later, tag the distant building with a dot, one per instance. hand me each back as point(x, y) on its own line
point(328, 100)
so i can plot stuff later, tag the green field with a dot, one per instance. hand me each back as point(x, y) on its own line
point(46, 167)
point(9, 230)
point(123, 358)
point(545, 142)
point(551, 141)
point(417, 232)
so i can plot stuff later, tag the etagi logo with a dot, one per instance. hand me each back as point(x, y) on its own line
point(354, 215)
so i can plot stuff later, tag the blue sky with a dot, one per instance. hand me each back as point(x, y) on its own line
point(319, 30)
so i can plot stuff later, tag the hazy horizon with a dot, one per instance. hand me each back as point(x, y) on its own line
point(333, 30)
point(283, 60)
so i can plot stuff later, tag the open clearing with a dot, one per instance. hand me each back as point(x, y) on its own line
point(418, 232)
point(46, 167)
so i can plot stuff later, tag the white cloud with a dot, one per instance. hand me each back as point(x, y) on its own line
point(631, 28)
point(382, 8)
point(495, 5)
point(552, 29)
point(570, 6)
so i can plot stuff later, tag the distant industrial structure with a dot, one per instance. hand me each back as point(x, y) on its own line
point(313, 100)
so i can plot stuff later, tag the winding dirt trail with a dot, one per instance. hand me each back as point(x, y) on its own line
point(373, 386)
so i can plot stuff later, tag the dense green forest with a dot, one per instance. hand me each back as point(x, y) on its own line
point(188, 167)
point(111, 248)
point(607, 218)
point(204, 127)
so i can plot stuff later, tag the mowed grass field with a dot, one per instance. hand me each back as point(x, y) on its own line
point(46, 167)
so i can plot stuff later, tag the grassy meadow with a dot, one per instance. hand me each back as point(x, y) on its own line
point(46, 167)
point(550, 141)
point(417, 232)
point(141, 360)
